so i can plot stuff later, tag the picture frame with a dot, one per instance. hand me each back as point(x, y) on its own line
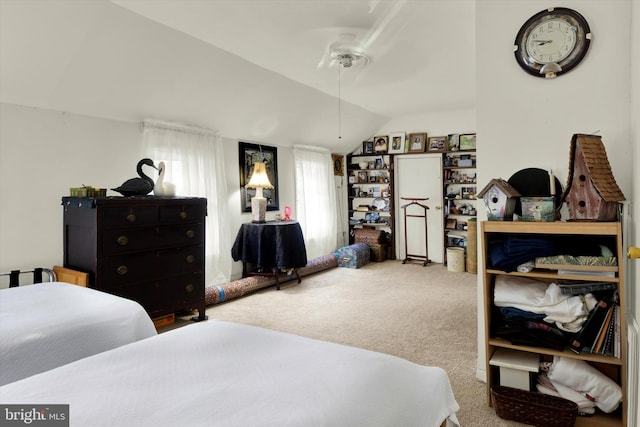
point(380, 144)
point(417, 142)
point(363, 177)
point(367, 147)
point(437, 144)
point(397, 143)
point(453, 142)
point(248, 154)
point(338, 164)
point(467, 141)
point(451, 224)
point(379, 164)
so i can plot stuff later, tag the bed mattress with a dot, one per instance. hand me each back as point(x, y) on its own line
point(46, 325)
point(232, 375)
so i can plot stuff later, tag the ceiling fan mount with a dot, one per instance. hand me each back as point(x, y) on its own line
point(347, 52)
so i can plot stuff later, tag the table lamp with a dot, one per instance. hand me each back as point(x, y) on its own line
point(259, 180)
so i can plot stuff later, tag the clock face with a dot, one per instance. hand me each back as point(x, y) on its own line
point(552, 42)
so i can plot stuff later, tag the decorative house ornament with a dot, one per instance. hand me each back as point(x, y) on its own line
point(592, 193)
point(499, 197)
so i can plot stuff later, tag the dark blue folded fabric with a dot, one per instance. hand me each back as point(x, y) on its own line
point(508, 252)
point(516, 313)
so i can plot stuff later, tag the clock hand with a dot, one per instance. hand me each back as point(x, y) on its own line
point(541, 42)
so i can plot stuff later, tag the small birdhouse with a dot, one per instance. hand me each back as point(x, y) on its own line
point(500, 200)
point(592, 193)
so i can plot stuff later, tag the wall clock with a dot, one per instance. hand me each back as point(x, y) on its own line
point(552, 42)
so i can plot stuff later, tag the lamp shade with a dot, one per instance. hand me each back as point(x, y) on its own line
point(259, 178)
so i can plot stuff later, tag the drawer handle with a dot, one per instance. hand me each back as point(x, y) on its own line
point(131, 218)
point(123, 240)
point(122, 270)
point(189, 288)
point(190, 259)
point(183, 215)
point(190, 234)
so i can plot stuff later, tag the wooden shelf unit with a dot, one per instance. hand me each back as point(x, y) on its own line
point(615, 368)
point(385, 172)
point(459, 181)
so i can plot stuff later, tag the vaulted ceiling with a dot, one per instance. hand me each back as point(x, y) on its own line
point(254, 69)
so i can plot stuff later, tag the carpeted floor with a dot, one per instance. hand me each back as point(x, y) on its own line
point(424, 314)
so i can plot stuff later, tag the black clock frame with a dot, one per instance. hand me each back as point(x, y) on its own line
point(583, 40)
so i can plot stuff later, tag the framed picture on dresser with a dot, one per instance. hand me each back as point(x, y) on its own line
point(248, 155)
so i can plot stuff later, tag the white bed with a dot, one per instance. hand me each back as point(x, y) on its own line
point(46, 325)
point(225, 374)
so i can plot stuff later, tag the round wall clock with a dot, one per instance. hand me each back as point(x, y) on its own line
point(552, 42)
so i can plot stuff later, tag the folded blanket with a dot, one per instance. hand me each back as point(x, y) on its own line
point(546, 386)
point(584, 378)
point(567, 312)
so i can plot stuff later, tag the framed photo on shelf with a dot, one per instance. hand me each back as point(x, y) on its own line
point(453, 142)
point(379, 164)
point(367, 147)
point(468, 141)
point(363, 177)
point(397, 143)
point(451, 224)
point(381, 144)
point(248, 155)
point(437, 144)
point(417, 142)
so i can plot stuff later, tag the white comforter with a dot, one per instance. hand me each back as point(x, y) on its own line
point(47, 325)
point(224, 374)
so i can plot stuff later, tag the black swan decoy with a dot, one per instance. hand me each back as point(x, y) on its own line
point(138, 186)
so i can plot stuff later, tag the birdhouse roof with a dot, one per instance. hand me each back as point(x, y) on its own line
point(502, 185)
point(597, 163)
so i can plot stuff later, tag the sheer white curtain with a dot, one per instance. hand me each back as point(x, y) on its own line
point(315, 199)
point(195, 164)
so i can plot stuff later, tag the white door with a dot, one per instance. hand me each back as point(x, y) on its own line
point(419, 176)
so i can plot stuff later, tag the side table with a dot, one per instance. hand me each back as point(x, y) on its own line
point(270, 247)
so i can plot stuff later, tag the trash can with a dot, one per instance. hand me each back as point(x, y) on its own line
point(455, 260)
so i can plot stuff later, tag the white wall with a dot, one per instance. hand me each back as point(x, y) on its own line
point(525, 121)
point(44, 152)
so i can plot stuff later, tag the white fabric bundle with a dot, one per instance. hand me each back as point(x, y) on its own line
point(534, 296)
point(585, 406)
point(584, 378)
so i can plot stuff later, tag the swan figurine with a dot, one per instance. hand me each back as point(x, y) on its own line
point(138, 186)
point(162, 187)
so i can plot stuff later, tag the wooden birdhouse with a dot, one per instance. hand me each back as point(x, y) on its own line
point(500, 200)
point(592, 193)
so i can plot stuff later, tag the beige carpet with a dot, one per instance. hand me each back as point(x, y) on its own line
point(423, 314)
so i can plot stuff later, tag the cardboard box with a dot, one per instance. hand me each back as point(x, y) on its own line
point(516, 367)
point(538, 209)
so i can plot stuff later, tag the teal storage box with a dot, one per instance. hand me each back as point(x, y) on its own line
point(353, 256)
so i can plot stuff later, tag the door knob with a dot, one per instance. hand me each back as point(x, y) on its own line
point(633, 252)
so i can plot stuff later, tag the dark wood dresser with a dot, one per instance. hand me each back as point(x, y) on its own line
point(148, 249)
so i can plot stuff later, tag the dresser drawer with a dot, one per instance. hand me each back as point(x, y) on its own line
point(164, 296)
point(129, 239)
point(176, 214)
point(118, 271)
point(129, 215)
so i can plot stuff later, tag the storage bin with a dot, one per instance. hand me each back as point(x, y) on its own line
point(378, 253)
point(354, 256)
point(455, 260)
point(516, 367)
point(536, 409)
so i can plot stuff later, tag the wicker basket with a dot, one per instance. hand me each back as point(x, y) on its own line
point(537, 409)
